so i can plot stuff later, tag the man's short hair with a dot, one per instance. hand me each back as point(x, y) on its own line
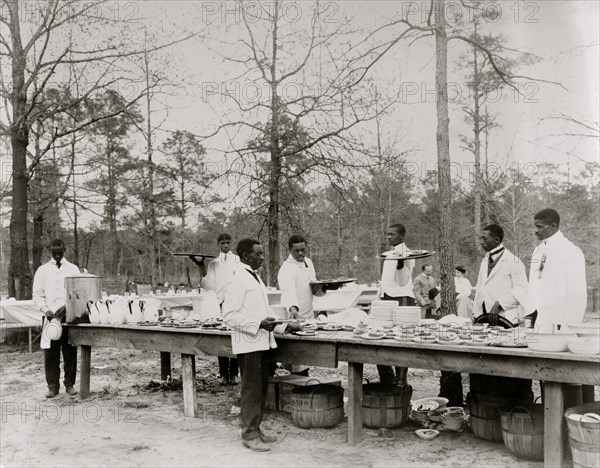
point(548, 216)
point(461, 268)
point(57, 244)
point(246, 246)
point(400, 227)
point(495, 230)
point(425, 266)
point(296, 239)
point(223, 236)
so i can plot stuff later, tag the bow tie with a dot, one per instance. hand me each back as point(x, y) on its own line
point(57, 264)
point(253, 273)
point(494, 255)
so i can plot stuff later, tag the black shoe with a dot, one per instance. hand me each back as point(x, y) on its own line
point(71, 391)
point(51, 393)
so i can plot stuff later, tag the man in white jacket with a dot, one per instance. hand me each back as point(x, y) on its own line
point(218, 274)
point(246, 310)
point(502, 282)
point(557, 282)
point(50, 295)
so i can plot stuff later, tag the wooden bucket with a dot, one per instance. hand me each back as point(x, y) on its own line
point(485, 411)
point(317, 406)
point(385, 405)
point(523, 432)
point(584, 437)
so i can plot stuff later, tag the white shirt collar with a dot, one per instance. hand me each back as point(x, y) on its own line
point(293, 260)
point(62, 261)
point(497, 250)
point(557, 236)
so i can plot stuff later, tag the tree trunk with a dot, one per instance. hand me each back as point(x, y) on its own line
point(443, 152)
point(477, 145)
point(275, 176)
point(19, 273)
point(37, 247)
point(75, 214)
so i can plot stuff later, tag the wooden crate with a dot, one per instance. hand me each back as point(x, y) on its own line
point(279, 397)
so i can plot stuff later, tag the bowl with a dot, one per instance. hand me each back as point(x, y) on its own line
point(436, 415)
point(589, 346)
point(425, 404)
point(585, 329)
point(427, 434)
point(550, 342)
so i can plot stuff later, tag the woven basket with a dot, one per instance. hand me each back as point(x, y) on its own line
point(584, 437)
point(317, 406)
point(523, 432)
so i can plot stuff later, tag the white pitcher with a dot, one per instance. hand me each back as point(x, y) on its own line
point(150, 310)
point(103, 311)
point(93, 311)
point(119, 310)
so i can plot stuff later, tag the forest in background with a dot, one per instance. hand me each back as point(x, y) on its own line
point(99, 166)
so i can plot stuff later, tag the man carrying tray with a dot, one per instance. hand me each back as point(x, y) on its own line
point(246, 310)
point(396, 285)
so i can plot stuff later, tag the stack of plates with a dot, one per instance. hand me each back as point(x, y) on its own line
point(406, 315)
point(584, 346)
point(381, 313)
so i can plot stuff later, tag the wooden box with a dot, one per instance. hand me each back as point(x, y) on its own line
point(279, 397)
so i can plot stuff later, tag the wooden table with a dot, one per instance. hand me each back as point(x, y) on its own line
point(327, 348)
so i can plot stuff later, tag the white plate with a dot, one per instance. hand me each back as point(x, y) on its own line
point(366, 337)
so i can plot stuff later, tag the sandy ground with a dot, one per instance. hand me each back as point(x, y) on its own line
point(126, 422)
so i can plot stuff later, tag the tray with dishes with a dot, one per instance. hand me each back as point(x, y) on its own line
point(185, 254)
point(333, 283)
point(410, 255)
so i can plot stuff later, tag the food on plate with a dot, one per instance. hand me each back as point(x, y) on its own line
point(426, 405)
point(376, 334)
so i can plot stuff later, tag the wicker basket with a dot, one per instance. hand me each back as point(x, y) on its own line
point(523, 432)
point(385, 405)
point(317, 406)
point(584, 437)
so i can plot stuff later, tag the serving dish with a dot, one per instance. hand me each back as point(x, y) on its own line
point(413, 254)
point(427, 434)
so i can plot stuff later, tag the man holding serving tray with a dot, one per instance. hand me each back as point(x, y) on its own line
point(396, 285)
point(246, 310)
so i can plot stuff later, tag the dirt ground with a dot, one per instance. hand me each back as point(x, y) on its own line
point(126, 422)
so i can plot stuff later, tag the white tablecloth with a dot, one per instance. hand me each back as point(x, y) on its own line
point(25, 312)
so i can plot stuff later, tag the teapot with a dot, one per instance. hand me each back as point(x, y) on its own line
point(93, 311)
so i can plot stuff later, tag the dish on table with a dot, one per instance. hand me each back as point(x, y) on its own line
point(147, 324)
point(427, 405)
point(305, 333)
point(369, 336)
point(413, 254)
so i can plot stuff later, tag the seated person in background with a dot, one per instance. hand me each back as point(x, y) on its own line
point(423, 286)
point(464, 303)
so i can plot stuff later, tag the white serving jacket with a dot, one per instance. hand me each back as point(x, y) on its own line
point(394, 282)
point(218, 274)
point(246, 305)
point(294, 280)
point(557, 282)
point(507, 284)
point(49, 291)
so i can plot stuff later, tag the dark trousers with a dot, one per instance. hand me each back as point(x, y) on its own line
point(228, 367)
point(52, 361)
point(254, 370)
point(386, 373)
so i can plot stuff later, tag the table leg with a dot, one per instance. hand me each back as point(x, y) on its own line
point(355, 396)
point(188, 366)
point(587, 393)
point(84, 378)
point(165, 365)
point(29, 330)
point(553, 424)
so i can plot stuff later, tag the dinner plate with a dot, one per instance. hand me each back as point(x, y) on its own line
point(410, 256)
point(335, 281)
point(305, 333)
point(338, 328)
point(367, 337)
point(166, 325)
point(420, 340)
point(186, 325)
point(508, 344)
point(147, 324)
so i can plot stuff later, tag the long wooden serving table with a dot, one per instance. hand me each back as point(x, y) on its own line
point(327, 348)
